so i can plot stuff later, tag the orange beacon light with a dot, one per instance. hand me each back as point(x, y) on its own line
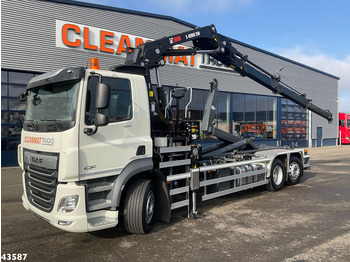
point(94, 64)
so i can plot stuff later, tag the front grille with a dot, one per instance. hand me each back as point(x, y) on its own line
point(41, 184)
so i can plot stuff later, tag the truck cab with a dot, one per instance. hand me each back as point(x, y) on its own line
point(66, 170)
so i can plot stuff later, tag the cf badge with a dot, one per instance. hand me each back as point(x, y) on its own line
point(89, 167)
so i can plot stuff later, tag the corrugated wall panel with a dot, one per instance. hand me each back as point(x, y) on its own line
point(28, 31)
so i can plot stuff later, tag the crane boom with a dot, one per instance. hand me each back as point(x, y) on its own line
point(207, 40)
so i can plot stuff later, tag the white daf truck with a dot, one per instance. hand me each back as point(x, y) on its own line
point(103, 146)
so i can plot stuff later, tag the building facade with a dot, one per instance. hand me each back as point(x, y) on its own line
point(39, 36)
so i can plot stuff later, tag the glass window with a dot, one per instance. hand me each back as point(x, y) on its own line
point(261, 116)
point(4, 130)
point(4, 104)
point(15, 90)
point(14, 104)
point(261, 108)
point(224, 109)
point(4, 117)
point(16, 117)
point(183, 101)
point(238, 114)
point(12, 111)
point(13, 145)
point(196, 107)
point(15, 132)
point(3, 138)
point(4, 76)
point(19, 78)
point(120, 102)
point(4, 90)
point(249, 115)
point(254, 116)
point(293, 122)
point(271, 124)
point(51, 102)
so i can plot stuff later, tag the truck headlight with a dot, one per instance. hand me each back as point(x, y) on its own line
point(68, 204)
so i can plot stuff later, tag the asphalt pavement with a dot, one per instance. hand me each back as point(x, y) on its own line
point(306, 222)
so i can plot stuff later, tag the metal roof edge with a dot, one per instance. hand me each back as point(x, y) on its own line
point(122, 10)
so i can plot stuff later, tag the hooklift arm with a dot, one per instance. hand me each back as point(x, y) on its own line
point(206, 40)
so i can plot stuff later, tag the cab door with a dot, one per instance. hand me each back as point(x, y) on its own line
point(112, 147)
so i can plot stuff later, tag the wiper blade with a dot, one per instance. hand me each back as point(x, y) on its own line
point(57, 123)
point(34, 124)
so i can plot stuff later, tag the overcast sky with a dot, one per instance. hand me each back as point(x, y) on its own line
point(313, 32)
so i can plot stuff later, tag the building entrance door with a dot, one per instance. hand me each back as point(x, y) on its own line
point(319, 136)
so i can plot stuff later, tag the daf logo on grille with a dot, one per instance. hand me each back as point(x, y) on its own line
point(42, 160)
point(37, 160)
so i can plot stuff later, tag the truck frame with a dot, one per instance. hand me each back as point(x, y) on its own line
point(100, 146)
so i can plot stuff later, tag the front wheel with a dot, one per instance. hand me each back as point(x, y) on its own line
point(139, 207)
point(295, 171)
point(277, 175)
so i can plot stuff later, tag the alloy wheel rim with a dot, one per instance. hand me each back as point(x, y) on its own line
point(294, 170)
point(277, 175)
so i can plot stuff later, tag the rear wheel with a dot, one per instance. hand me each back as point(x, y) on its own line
point(277, 175)
point(295, 171)
point(139, 207)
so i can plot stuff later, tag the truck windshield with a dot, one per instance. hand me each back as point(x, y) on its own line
point(52, 107)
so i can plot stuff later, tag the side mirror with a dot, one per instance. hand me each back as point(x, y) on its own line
point(22, 96)
point(101, 119)
point(103, 92)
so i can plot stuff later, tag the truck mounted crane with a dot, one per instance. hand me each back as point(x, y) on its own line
point(206, 40)
point(100, 146)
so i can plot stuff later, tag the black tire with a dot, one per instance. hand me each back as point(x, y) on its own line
point(139, 207)
point(295, 171)
point(277, 176)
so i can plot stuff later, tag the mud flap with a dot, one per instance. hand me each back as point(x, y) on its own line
point(163, 208)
